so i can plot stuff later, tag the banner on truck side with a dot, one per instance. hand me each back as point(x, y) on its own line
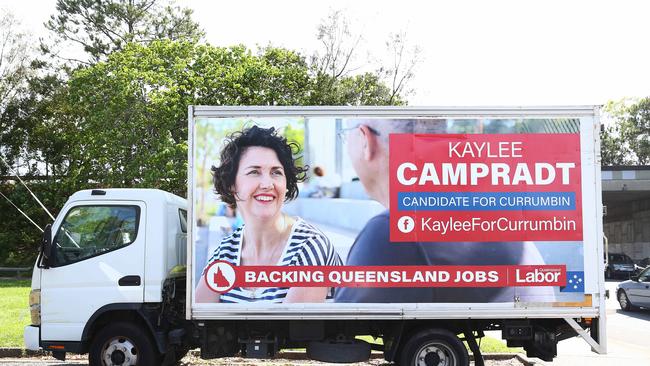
point(312, 209)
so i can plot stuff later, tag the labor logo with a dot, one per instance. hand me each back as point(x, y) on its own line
point(220, 276)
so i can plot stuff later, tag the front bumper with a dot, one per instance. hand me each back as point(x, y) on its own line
point(32, 337)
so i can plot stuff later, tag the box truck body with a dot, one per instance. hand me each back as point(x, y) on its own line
point(491, 220)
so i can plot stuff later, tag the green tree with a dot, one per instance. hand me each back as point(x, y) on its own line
point(38, 122)
point(635, 129)
point(15, 71)
point(627, 139)
point(33, 137)
point(612, 149)
point(363, 89)
point(130, 112)
point(19, 239)
point(122, 122)
point(101, 27)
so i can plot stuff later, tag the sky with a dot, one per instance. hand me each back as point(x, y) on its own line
point(493, 52)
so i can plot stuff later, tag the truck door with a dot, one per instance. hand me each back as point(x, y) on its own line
point(99, 260)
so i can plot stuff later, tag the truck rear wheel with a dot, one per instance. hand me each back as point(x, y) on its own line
point(434, 347)
point(123, 344)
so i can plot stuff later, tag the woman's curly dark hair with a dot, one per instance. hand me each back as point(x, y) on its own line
point(223, 176)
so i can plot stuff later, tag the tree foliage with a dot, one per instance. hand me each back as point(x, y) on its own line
point(335, 62)
point(611, 147)
point(123, 122)
point(635, 129)
point(627, 140)
point(31, 136)
point(22, 92)
point(119, 118)
point(130, 112)
point(19, 239)
point(101, 27)
point(401, 68)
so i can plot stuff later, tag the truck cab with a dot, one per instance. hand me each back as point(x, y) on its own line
point(104, 261)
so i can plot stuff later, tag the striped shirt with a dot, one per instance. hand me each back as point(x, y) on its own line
point(306, 246)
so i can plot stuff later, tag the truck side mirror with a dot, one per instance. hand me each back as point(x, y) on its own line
point(46, 248)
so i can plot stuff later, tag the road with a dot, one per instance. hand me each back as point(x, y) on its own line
point(627, 339)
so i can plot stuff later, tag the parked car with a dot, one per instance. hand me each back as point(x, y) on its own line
point(619, 265)
point(641, 265)
point(635, 292)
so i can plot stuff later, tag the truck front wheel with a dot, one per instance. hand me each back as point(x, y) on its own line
point(434, 347)
point(123, 344)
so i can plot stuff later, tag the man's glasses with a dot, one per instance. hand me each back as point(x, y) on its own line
point(342, 134)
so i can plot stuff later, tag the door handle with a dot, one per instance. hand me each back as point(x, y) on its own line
point(129, 281)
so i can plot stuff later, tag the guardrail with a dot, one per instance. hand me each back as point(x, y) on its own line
point(17, 270)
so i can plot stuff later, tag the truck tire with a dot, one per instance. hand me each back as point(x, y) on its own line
point(123, 344)
point(433, 347)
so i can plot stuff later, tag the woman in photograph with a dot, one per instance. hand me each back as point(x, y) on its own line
point(257, 175)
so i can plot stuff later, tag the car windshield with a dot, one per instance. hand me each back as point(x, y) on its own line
point(620, 258)
point(645, 275)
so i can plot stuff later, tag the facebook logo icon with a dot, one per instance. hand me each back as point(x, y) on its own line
point(575, 282)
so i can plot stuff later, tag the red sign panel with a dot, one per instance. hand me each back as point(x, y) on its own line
point(399, 276)
point(481, 187)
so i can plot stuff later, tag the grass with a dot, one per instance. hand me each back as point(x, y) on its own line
point(487, 345)
point(14, 311)
point(493, 345)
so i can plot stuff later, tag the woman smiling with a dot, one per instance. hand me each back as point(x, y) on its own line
point(257, 175)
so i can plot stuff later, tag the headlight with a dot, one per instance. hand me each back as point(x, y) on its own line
point(35, 306)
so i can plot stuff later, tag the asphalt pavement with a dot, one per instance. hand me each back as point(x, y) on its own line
point(627, 339)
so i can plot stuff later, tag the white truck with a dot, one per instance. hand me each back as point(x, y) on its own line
point(118, 269)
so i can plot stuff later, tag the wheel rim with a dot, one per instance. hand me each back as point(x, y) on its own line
point(622, 299)
point(435, 354)
point(119, 351)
